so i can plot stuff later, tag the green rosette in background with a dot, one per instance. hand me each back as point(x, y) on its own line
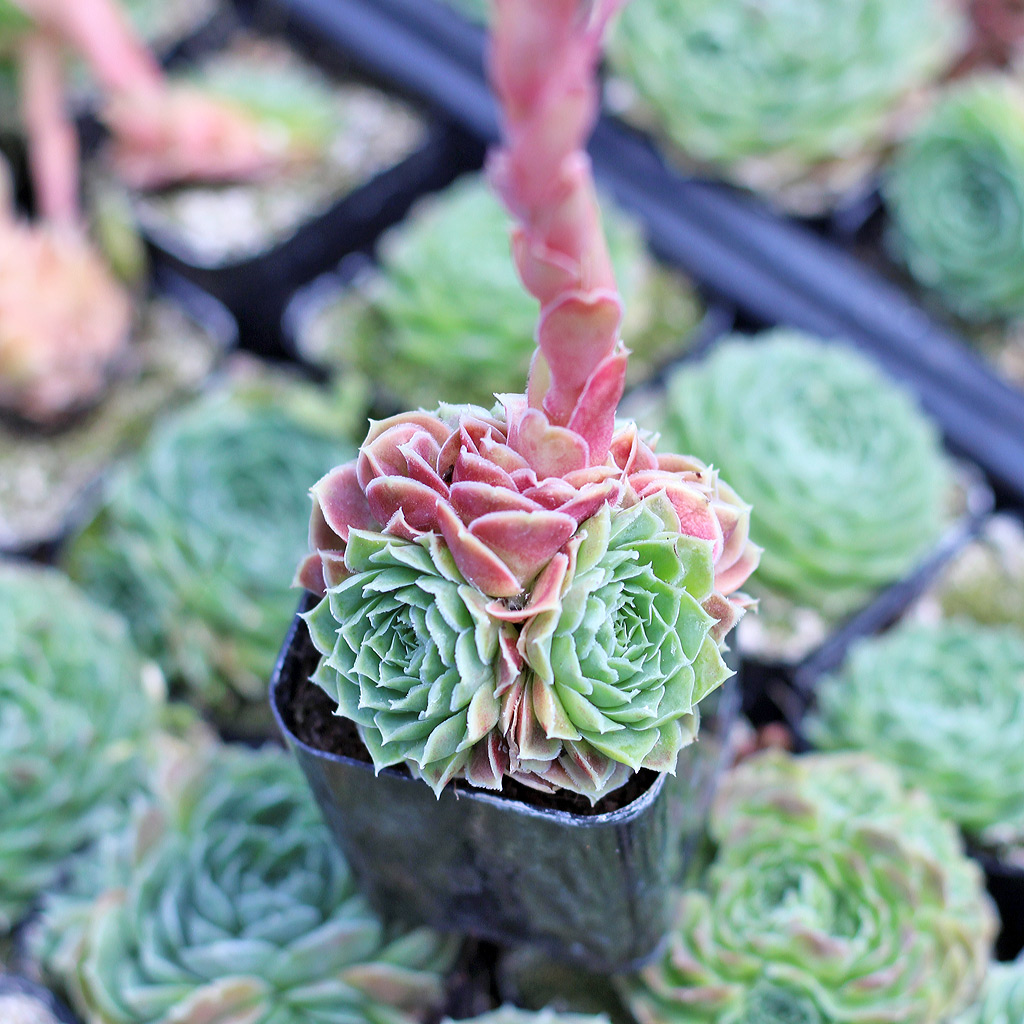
point(823, 906)
point(846, 474)
point(955, 194)
point(228, 900)
point(1002, 999)
point(775, 94)
point(76, 710)
point(946, 705)
point(446, 315)
point(197, 539)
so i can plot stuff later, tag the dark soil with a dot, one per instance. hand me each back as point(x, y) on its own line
point(309, 714)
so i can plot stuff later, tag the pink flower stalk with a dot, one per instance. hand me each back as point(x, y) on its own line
point(508, 490)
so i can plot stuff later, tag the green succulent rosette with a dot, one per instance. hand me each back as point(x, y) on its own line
point(946, 705)
point(447, 313)
point(410, 654)
point(955, 193)
point(76, 709)
point(792, 98)
point(823, 911)
point(1002, 999)
point(197, 538)
point(846, 473)
point(605, 682)
point(235, 906)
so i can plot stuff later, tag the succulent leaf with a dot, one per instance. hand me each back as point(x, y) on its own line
point(806, 94)
point(75, 713)
point(956, 198)
point(944, 704)
point(825, 903)
point(199, 534)
point(847, 475)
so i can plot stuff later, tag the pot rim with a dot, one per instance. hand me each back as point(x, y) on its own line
point(460, 790)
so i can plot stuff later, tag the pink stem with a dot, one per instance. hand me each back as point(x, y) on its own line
point(100, 32)
point(53, 145)
point(543, 68)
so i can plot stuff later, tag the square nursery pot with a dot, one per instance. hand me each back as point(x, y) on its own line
point(591, 888)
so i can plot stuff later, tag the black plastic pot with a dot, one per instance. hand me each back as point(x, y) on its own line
point(35, 996)
point(591, 889)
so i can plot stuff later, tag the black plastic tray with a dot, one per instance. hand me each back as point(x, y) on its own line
point(774, 271)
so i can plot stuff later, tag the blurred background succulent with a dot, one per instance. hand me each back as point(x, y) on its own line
point(446, 315)
point(197, 537)
point(796, 99)
point(76, 709)
point(56, 353)
point(845, 472)
point(228, 900)
point(1002, 998)
point(328, 137)
point(985, 582)
point(946, 705)
point(955, 193)
point(835, 896)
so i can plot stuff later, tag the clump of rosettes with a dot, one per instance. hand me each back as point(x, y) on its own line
point(481, 621)
point(63, 322)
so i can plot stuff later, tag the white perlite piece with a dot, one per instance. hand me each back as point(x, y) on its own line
point(20, 1009)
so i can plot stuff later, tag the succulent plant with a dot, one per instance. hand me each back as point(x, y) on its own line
point(447, 312)
point(836, 896)
point(64, 321)
point(238, 907)
point(956, 199)
point(76, 708)
point(196, 538)
point(846, 473)
point(946, 704)
point(1002, 998)
point(477, 646)
point(805, 95)
point(610, 678)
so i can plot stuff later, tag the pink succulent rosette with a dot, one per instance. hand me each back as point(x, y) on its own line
point(556, 592)
point(458, 474)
